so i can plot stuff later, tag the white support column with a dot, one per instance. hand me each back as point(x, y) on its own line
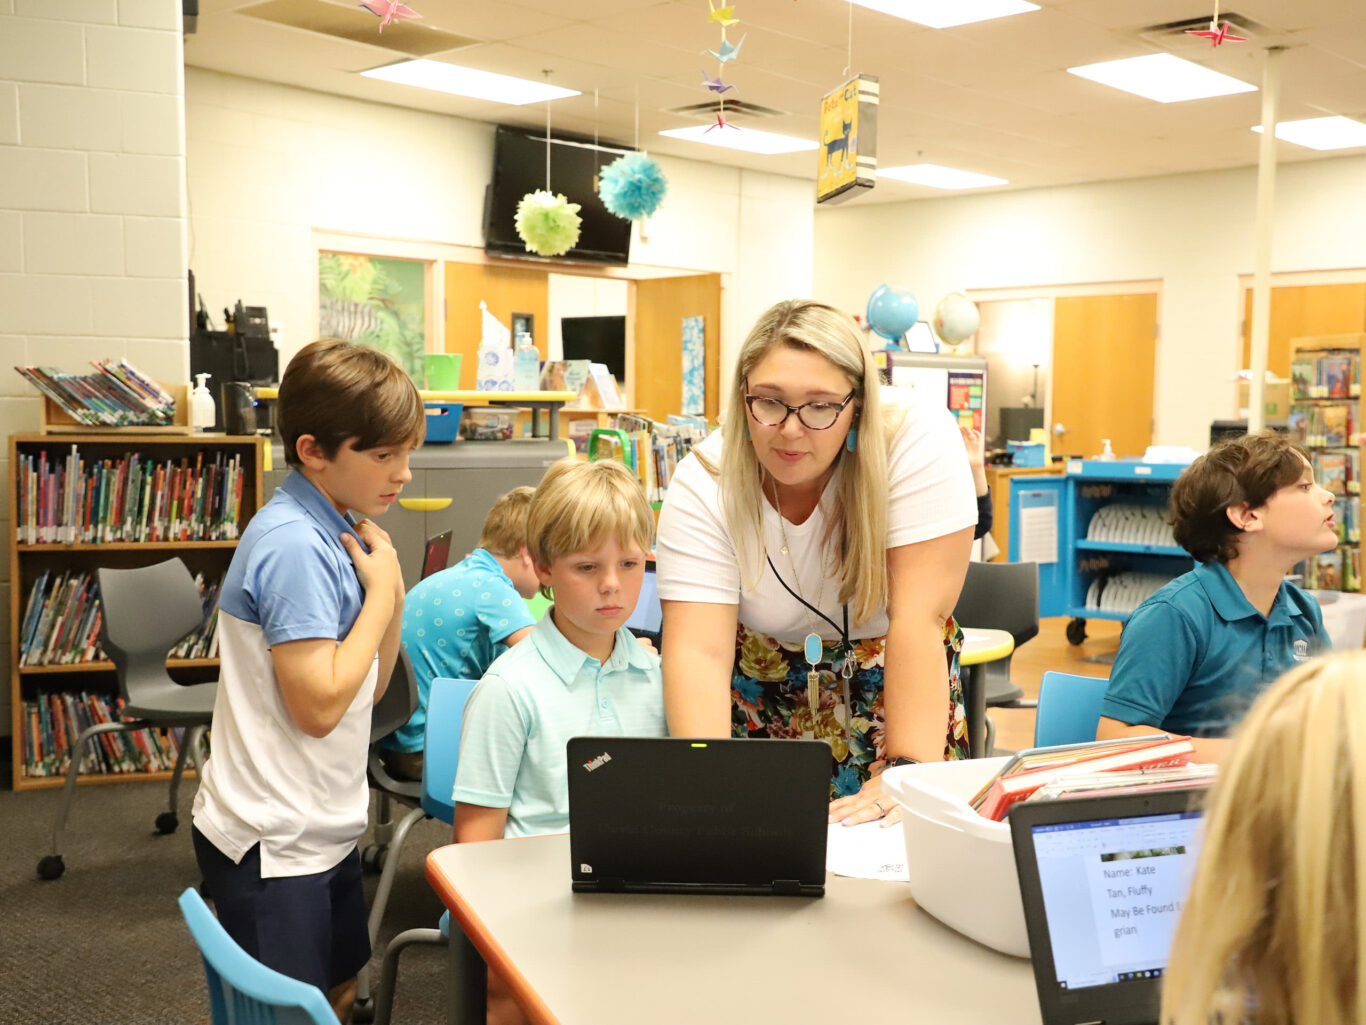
point(1266, 208)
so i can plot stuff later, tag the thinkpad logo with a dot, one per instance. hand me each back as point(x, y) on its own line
point(598, 762)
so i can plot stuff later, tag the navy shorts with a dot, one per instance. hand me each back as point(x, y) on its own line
point(312, 928)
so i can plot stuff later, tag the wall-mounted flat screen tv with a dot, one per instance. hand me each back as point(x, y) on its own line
point(600, 339)
point(519, 168)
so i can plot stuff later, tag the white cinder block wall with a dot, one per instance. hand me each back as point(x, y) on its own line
point(92, 209)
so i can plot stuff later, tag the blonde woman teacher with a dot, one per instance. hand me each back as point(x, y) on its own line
point(809, 558)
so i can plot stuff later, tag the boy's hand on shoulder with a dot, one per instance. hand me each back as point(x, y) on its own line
point(647, 644)
point(366, 529)
point(378, 570)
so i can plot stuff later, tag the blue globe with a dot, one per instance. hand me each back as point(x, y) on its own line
point(892, 311)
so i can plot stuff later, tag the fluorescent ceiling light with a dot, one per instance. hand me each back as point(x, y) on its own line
point(749, 140)
point(947, 13)
point(939, 177)
point(1321, 132)
point(479, 85)
point(1162, 77)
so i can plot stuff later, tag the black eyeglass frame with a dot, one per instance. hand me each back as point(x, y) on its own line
point(838, 407)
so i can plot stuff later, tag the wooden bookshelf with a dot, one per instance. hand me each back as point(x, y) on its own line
point(1317, 347)
point(29, 560)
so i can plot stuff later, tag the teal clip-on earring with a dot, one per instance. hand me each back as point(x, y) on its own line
point(851, 440)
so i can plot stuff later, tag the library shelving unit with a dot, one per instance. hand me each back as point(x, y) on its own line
point(1325, 417)
point(30, 559)
point(1125, 549)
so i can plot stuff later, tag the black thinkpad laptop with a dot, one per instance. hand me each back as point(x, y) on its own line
point(1103, 880)
point(673, 815)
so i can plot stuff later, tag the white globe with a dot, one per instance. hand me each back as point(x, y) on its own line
point(956, 318)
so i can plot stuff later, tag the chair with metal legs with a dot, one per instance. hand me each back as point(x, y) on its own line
point(445, 717)
point(145, 612)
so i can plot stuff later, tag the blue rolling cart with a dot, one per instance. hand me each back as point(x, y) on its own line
point(1050, 518)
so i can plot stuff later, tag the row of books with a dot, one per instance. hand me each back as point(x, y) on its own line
point(1338, 570)
point(1325, 425)
point(62, 619)
point(656, 449)
point(52, 723)
point(1325, 375)
point(69, 500)
point(1347, 516)
point(118, 394)
point(1338, 472)
point(1075, 770)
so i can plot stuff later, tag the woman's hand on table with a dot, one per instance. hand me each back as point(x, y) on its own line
point(870, 804)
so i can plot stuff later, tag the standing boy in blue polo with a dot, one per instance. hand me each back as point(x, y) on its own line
point(1195, 655)
point(309, 632)
point(457, 621)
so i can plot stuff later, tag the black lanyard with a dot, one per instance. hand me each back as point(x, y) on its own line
point(844, 634)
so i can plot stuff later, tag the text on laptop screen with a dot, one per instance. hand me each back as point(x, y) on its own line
point(1112, 892)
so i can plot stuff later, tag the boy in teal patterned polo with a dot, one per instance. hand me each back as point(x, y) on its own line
point(456, 622)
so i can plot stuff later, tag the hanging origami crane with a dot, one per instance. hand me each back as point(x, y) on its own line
point(721, 122)
point(1217, 34)
point(388, 10)
point(729, 51)
point(723, 16)
point(715, 84)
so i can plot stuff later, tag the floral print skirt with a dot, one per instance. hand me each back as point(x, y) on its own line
point(769, 699)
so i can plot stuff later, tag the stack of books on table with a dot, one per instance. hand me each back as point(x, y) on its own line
point(1159, 761)
point(118, 394)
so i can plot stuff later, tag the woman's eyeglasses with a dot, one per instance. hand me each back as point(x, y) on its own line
point(818, 416)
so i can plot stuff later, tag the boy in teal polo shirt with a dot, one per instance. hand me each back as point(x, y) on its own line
point(457, 621)
point(1195, 655)
point(580, 672)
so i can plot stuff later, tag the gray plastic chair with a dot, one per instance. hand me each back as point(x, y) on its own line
point(999, 596)
point(146, 611)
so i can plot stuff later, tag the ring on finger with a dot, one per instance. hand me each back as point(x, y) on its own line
point(881, 811)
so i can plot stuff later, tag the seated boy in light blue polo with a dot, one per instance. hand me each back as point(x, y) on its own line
point(457, 621)
point(581, 672)
point(1195, 655)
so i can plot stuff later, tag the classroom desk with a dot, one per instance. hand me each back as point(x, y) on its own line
point(979, 648)
point(863, 952)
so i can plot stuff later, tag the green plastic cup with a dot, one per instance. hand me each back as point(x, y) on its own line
point(443, 371)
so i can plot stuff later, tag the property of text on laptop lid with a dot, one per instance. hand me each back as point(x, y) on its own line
point(678, 815)
point(1103, 881)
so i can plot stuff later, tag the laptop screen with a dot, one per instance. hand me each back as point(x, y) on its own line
point(1112, 892)
point(436, 554)
point(648, 616)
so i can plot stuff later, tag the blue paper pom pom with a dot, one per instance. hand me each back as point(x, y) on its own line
point(632, 186)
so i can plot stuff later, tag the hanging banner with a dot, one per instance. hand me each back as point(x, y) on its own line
point(848, 149)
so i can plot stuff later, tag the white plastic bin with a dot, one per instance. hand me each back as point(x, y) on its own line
point(961, 866)
point(1344, 617)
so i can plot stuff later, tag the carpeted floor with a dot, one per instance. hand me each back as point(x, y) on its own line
point(106, 945)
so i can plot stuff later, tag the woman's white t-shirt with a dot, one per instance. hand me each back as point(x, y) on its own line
point(930, 494)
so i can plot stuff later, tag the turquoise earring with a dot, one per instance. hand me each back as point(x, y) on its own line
point(851, 440)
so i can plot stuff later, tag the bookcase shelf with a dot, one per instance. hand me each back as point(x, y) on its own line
point(1325, 376)
point(30, 561)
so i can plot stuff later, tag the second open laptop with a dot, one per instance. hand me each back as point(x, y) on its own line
point(673, 815)
point(1103, 880)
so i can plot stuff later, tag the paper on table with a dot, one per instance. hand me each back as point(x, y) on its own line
point(866, 851)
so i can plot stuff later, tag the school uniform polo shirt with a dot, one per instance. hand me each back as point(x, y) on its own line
point(1196, 654)
point(303, 799)
point(454, 625)
point(534, 697)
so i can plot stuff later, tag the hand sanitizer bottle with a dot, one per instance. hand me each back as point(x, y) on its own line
point(1107, 454)
point(526, 365)
point(202, 410)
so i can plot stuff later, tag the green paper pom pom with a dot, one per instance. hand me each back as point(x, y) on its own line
point(548, 224)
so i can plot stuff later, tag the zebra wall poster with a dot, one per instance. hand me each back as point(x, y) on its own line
point(378, 301)
point(848, 149)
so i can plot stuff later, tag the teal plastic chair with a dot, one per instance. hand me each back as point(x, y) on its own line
point(242, 989)
point(441, 742)
point(1069, 709)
